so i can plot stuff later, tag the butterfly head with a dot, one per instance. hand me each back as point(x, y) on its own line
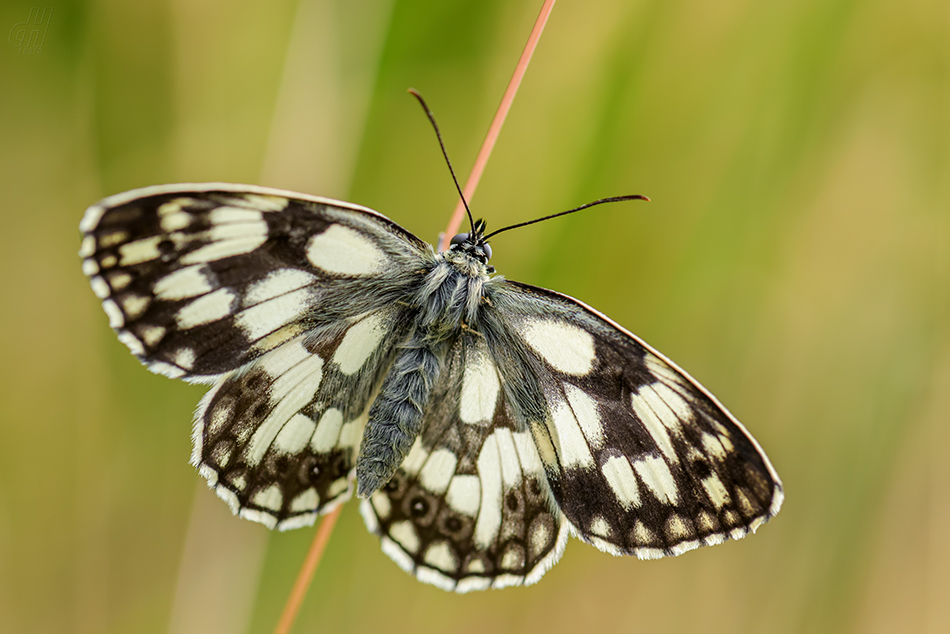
point(474, 244)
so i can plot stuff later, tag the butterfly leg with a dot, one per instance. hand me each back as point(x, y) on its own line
point(395, 418)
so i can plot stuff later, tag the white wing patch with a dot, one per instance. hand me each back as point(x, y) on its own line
point(295, 434)
point(344, 251)
point(176, 221)
point(273, 314)
point(658, 431)
point(118, 280)
point(480, 387)
point(404, 534)
point(185, 358)
point(511, 467)
point(184, 283)
point(294, 386)
point(489, 473)
point(305, 501)
point(234, 215)
point(464, 494)
point(229, 239)
point(206, 309)
point(716, 491)
point(277, 283)
point(327, 434)
point(441, 556)
point(619, 475)
point(717, 446)
point(139, 251)
point(569, 442)
point(566, 347)
point(655, 473)
point(586, 414)
point(360, 341)
point(650, 395)
point(438, 470)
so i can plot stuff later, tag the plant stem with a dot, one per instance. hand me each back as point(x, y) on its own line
point(305, 576)
point(495, 128)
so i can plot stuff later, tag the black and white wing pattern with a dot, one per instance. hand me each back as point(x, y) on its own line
point(499, 417)
point(286, 303)
point(470, 508)
point(640, 459)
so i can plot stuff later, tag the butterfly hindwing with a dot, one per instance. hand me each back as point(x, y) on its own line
point(278, 438)
point(197, 280)
point(640, 458)
point(470, 507)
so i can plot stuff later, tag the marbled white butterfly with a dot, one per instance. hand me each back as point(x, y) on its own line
point(482, 420)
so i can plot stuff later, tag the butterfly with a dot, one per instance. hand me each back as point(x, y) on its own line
point(482, 421)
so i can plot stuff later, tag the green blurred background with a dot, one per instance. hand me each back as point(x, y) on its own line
point(795, 259)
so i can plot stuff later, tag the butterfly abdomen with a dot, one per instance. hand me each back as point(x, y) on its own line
point(448, 298)
point(395, 419)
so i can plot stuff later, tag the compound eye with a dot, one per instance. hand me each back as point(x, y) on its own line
point(460, 238)
point(487, 250)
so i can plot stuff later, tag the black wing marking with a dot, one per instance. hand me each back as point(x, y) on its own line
point(640, 458)
point(199, 279)
point(470, 507)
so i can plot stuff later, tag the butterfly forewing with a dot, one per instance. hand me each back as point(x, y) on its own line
point(470, 508)
point(640, 458)
point(200, 279)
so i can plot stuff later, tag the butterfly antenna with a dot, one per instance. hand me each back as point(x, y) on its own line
point(613, 199)
point(435, 126)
